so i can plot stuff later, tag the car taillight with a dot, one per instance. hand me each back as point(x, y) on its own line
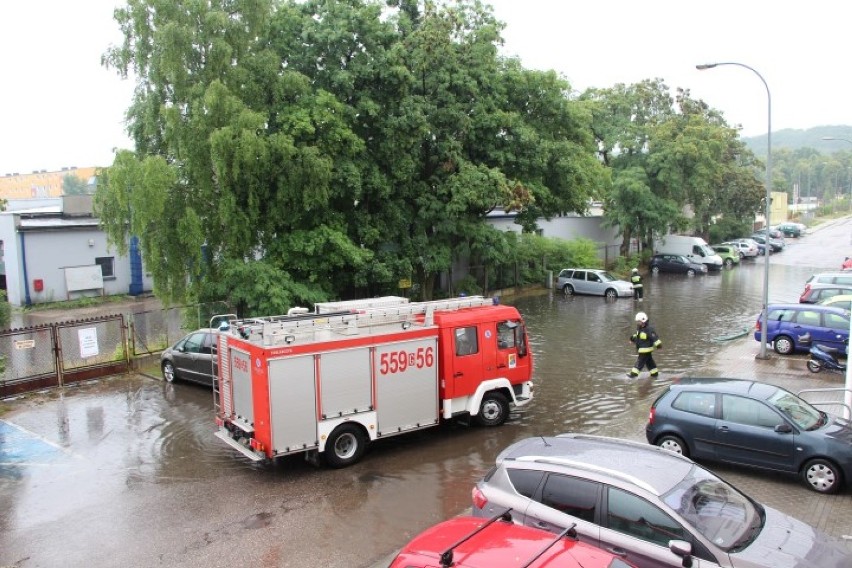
point(757, 325)
point(479, 500)
point(651, 415)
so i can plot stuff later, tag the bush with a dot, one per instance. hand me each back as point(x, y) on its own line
point(5, 311)
point(726, 229)
point(467, 286)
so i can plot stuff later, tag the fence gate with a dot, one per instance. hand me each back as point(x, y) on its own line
point(27, 360)
point(91, 348)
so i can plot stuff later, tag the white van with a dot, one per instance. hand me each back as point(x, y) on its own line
point(693, 248)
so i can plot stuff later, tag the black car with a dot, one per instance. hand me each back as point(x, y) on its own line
point(675, 263)
point(790, 229)
point(775, 245)
point(753, 424)
point(191, 359)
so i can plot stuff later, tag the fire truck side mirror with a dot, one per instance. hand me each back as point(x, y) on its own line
point(521, 340)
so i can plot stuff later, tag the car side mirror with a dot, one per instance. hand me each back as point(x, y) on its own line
point(684, 550)
point(784, 428)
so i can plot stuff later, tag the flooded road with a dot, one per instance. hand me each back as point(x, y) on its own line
point(127, 471)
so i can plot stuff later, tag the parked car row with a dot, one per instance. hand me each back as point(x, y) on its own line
point(817, 319)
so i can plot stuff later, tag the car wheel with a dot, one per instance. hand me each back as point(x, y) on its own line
point(610, 294)
point(784, 345)
point(345, 446)
point(690, 272)
point(494, 410)
point(568, 290)
point(728, 263)
point(822, 476)
point(673, 444)
point(814, 366)
point(169, 373)
point(742, 255)
point(655, 269)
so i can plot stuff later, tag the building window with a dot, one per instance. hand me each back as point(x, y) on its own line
point(107, 266)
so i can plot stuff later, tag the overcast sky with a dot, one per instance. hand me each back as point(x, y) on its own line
point(59, 107)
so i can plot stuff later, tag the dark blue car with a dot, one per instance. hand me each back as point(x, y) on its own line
point(795, 327)
point(755, 425)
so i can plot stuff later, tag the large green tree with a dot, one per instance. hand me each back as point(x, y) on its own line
point(676, 165)
point(331, 147)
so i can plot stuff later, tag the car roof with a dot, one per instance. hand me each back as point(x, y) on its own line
point(500, 544)
point(822, 285)
point(746, 387)
point(654, 469)
point(819, 307)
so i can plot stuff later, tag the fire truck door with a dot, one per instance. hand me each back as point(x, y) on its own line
point(467, 361)
point(292, 403)
point(512, 360)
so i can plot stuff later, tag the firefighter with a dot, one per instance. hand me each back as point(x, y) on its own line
point(646, 340)
point(636, 279)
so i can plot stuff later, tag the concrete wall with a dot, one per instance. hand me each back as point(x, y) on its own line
point(566, 227)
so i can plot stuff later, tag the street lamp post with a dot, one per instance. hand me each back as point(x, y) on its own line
point(847, 396)
point(765, 315)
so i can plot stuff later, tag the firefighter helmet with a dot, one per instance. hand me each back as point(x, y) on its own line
point(635, 270)
point(641, 317)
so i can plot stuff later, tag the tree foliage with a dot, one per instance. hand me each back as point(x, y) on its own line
point(330, 148)
point(72, 185)
point(676, 165)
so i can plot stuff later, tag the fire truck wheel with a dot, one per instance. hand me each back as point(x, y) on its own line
point(345, 446)
point(494, 409)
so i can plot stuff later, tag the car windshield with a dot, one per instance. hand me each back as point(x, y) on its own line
point(707, 250)
point(800, 412)
point(723, 515)
point(607, 277)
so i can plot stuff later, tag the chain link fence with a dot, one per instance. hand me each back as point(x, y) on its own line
point(27, 360)
point(154, 330)
point(60, 353)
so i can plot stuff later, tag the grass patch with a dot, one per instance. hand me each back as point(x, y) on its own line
point(79, 303)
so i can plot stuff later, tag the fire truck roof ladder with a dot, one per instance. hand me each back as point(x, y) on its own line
point(278, 330)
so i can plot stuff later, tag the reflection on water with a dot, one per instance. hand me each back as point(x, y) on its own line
point(582, 349)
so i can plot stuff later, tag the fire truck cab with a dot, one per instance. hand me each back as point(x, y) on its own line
point(327, 383)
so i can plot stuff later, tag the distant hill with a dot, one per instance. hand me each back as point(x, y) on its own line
point(810, 138)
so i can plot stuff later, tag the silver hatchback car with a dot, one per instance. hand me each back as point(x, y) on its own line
point(657, 508)
point(592, 281)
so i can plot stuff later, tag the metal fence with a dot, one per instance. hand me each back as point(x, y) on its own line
point(60, 353)
point(154, 330)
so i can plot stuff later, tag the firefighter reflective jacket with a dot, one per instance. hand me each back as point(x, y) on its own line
point(636, 279)
point(646, 339)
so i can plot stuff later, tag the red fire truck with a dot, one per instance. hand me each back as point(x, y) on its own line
point(329, 382)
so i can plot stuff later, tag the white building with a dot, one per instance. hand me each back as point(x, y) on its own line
point(54, 250)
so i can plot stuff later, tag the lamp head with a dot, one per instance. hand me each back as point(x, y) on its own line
point(704, 66)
